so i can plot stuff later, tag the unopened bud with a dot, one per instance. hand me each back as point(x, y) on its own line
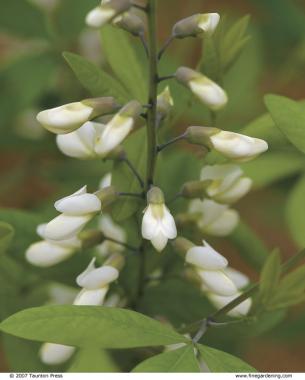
point(107, 195)
point(201, 135)
point(194, 189)
point(182, 245)
point(91, 238)
point(116, 261)
point(130, 22)
point(102, 106)
point(155, 196)
point(106, 12)
point(164, 103)
point(196, 24)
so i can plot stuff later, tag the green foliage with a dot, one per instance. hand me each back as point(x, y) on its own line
point(273, 167)
point(13, 15)
point(251, 247)
point(123, 179)
point(219, 361)
point(93, 360)
point(222, 49)
point(289, 117)
point(113, 328)
point(182, 360)
point(6, 235)
point(95, 80)
point(270, 277)
point(295, 212)
point(124, 62)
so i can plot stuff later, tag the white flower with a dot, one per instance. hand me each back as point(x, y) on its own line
point(240, 280)
point(205, 257)
point(96, 278)
point(106, 11)
point(207, 91)
point(208, 22)
point(69, 117)
point(210, 266)
point(65, 118)
point(77, 210)
point(113, 231)
point(80, 143)
point(55, 354)
point(158, 225)
point(215, 219)
point(47, 253)
point(237, 147)
point(105, 181)
point(226, 183)
point(164, 103)
point(118, 128)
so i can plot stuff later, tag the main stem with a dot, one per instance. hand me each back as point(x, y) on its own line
point(153, 93)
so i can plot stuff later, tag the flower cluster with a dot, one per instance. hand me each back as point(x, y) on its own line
point(95, 128)
point(95, 285)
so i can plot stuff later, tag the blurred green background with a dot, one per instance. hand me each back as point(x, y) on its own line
point(34, 76)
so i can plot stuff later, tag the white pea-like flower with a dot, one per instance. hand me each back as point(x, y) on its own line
point(76, 211)
point(80, 143)
point(210, 266)
point(95, 284)
point(106, 12)
point(213, 218)
point(118, 128)
point(238, 147)
point(196, 24)
point(69, 117)
point(164, 103)
point(240, 280)
point(207, 91)
point(47, 252)
point(158, 224)
point(105, 181)
point(225, 183)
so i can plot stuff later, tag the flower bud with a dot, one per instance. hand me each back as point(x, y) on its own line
point(196, 24)
point(77, 210)
point(106, 12)
point(164, 103)
point(130, 22)
point(47, 252)
point(55, 354)
point(213, 218)
point(118, 128)
point(95, 278)
point(69, 117)
point(238, 147)
point(225, 183)
point(216, 281)
point(158, 225)
point(201, 135)
point(206, 258)
point(113, 231)
point(240, 280)
point(207, 91)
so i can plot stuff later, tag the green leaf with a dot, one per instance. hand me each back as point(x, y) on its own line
point(93, 360)
point(252, 249)
point(219, 361)
point(222, 49)
point(95, 80)
point(6, 235)
point(124, 180)
point(90, 326)
point(264, 128)
point(272, 167)
point(124, 62)
point(270, 276)
point(295, 212)
point(182, 360)
point(75, 11)
point(289, 117)
point(13, 15)
point(233, 42)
